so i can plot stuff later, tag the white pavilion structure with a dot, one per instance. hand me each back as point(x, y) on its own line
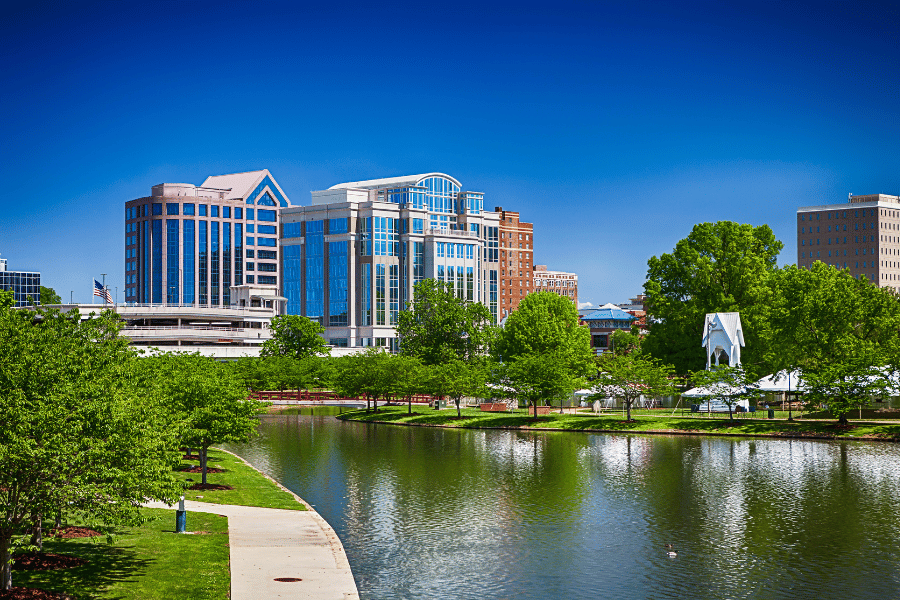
point(723, 337)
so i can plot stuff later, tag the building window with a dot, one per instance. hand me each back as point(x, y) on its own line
point(187, 208)
point(337, 282)
point(315, 268)
point(266, 215)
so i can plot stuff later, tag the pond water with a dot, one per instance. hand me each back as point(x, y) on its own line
point(442, 513)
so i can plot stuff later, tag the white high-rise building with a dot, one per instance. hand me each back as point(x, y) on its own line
point(351, 258)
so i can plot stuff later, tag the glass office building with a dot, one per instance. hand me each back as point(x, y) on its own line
point(25, 285)
point(190, 245)
point(351, 259)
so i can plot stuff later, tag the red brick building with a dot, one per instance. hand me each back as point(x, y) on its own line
point(516, 260)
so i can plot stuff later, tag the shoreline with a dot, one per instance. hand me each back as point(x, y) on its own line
point(846, 435)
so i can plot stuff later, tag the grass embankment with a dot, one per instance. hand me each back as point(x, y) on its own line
point(251, 488)
point(145, 562)
point(643, 423)
point(151, 561)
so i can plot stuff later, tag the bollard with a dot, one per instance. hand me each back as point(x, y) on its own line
point(180, 517)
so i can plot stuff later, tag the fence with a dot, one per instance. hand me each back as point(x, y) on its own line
point(321, 396)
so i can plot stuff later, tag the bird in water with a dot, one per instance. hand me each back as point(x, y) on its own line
point(670, 545)
point(671, 554)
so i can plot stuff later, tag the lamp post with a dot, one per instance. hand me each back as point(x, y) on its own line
point(71, 296)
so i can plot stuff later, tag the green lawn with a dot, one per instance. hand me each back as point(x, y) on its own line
point(659, 421)
point(147, 562)
point(251, 488)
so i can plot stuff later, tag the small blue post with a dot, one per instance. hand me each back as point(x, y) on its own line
point(180, 517)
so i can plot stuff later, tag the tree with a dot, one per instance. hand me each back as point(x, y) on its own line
point(406, 375)
point(540, 378)
point(295, 336)
point(77, 434)
point(729, 384)
point(845, 386)
point(626, 342)
point(546, 323)
point(365, 374)
point(440, 327)
point(719, 267)
point(49, 296)
point(455, 380)
point(627, 377)
point(209, 399)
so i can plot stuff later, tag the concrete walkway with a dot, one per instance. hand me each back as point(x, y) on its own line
point(266, 543)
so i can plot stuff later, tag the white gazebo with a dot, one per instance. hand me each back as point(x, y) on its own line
point(723, 337)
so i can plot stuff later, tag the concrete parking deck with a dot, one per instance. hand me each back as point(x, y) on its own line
point(268, 543)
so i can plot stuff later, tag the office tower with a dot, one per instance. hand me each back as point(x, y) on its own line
point(558, 282)
point(861, 235)
point(516, 259)
point(190, 245)
point(25, 285)
point(351, 258)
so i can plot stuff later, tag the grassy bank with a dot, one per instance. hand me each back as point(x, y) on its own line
point(643, 423)
point(251, 488)
point(143, 563)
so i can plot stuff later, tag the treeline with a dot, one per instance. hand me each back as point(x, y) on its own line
point(91, 429)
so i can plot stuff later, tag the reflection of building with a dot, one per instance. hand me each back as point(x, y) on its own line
point(861, 235)
point(25, 285)
point(558, 282)
point(187, 244)
point(603, 322)
point(350, 260)
point(516, 255)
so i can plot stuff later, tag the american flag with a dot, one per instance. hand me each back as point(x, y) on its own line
point(103, 292)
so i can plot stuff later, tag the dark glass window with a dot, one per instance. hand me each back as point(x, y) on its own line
point(315, 264)
point(249, 214)
point(251, 228)
point(237, 212)
point(267, 254)
point(157, 208)
point(171, 208)
point(226, 212)
point(292, 230)
point(202, 210)
point(266, 215)
point(272, 242)
point(270, 229)
point(187, 208)
point(293, 289)
point(214, 211)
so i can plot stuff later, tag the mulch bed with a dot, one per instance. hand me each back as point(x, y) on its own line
point(43, 561)
point(70, 532)
point(20, 593)
point(193, 469)
point(210, 486)
point(190, 457)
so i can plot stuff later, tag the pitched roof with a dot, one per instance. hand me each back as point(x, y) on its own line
point(391, 182)
point(729, 322)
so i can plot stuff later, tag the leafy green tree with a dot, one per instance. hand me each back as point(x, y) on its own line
point(719, 267)
point(49, 296)
point(729, 384)
point(822, 316)
point(365, 374)
point(78, 436)
point(626, 342)
point(295, 336)
point(209, 399)
point(540, 378)
point(455, 380)
point(439, 327)
point(845, 386)
point(406, 374)
point(627, 377)
point(546, 323)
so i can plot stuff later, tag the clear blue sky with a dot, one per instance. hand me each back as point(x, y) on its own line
point(613, 127)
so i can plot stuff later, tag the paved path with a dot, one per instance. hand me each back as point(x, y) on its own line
point(266, 543)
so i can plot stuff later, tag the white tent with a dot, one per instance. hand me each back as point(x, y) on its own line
point(782, 381)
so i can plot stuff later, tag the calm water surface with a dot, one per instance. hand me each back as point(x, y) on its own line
point(439, 513)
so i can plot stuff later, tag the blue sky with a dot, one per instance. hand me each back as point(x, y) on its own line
point(613, 126)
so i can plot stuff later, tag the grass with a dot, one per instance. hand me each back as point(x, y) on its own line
point(644, 422)
point(143, 563)
point(251, 488)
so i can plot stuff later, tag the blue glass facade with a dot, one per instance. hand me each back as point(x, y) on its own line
point(203, 257)
point(365, 295)
point(337, 284)
point(156, 241)
point(215, 257)
point(172, 247)
point(188, 275)
point(293, 290)
point(315, 269)
point(379, 294)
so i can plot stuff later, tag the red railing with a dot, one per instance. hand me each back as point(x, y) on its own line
point(320, 396)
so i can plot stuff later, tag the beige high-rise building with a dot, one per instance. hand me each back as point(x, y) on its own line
point(861, 235)
point(558, 282)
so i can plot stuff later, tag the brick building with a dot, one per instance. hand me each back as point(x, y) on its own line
point(516, 260)
point(559, 282)
point(861, 235)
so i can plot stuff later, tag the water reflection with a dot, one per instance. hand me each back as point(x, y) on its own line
point(436, 513)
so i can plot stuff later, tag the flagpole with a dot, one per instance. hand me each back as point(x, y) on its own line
point(105, 294)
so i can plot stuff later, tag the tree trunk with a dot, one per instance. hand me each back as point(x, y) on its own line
point(628, 410)
point(534, 404)
point(37, 534)
point(5, 564)
point(458, 411)
point(842, 419)
point(203, 453)
point(409, 398)
point(730, 416)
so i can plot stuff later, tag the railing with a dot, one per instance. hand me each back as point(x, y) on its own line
point(321, 396)
point(451, 232)
point(192, 327)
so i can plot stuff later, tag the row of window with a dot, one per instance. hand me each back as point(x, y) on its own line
point(838, 228)
point(839, 214)
point(838, 253)
point(201, 210)
point(837, 240)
